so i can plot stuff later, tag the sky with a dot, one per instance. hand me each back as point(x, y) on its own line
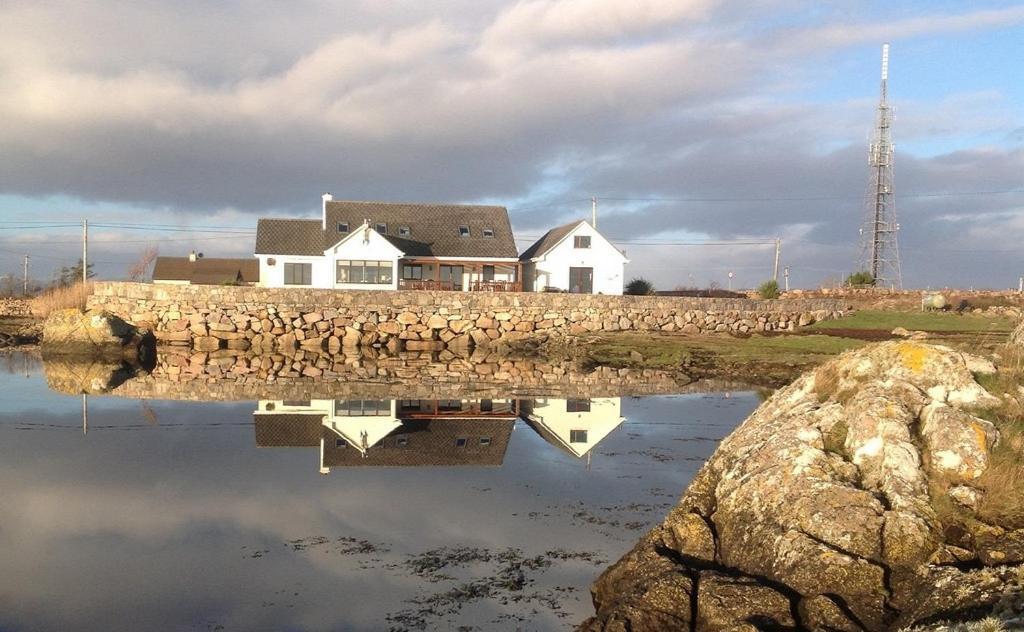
point(178, 124)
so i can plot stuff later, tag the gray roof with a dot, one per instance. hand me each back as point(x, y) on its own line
point(206, 270)
point(433, 230)
point(548, 241)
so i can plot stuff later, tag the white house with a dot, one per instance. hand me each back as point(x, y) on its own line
point(573, 258)
point(382, 246)
point(575, 426)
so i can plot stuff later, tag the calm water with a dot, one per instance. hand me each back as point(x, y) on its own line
point(330, 514)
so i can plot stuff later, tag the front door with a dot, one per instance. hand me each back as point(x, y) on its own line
point(451, 276)
point(581, 280)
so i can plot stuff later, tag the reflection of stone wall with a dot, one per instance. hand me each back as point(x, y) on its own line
point(227, 376)
point(240, 318)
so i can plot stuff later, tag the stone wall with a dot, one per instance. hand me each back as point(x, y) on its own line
point(15, 307)
point(209, 318)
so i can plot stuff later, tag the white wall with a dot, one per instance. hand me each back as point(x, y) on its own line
point(605, 415)
point(273, 275)
point(377, 248)
point(606, 260)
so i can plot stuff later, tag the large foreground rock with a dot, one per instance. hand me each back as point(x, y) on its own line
point(95, 333)
point(821, 511)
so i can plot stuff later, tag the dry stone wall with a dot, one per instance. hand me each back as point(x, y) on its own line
point(210, 318)
point(15, 307)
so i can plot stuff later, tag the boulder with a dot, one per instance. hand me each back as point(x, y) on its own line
point(817, 512)
point(94, 333)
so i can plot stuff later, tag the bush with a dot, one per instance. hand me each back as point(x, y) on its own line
point(640, 287)
point(769, 289)
point(61, 298)
point(859, 278)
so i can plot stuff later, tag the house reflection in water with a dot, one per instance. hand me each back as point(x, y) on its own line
point(412, 433)
point(426, 432)
point(574, 426)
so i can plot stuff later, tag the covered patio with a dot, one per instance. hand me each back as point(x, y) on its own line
point(459, 275)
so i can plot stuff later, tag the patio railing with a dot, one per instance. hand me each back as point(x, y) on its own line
point(473, 286)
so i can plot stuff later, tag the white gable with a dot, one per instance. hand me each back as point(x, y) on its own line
point(364, 243)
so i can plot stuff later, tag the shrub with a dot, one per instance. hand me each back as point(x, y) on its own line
point(640, 287)
point(860, 278)
point(72, 296)
point(769, 289)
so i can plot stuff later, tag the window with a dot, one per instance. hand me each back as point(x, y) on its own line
point(581, 241)
point(271, 261)
point(577, 405)
point(460, 442)
point(577, 436)
point(488, 273)
point(381, 228)
point(488, 232)
point(403, 441)
point(368, 272)
point(298, 403)
point(486, 405)
point(271, 406)
point(298, 274)
point(342, 227)
point(463, 231)
point(340, 443)
point(413, 271)
point(362, 407)
point(403, 231)
point(485, 441)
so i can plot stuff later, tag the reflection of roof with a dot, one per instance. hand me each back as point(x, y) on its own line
point(284, 430)
point(428, 442)
point(206, 270)
point(549, 240)
point(433, 230)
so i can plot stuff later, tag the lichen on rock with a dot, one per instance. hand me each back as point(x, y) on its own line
point(820, 510)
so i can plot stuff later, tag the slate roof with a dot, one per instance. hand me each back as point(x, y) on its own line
point(429, 443)
point(548, 241)
point(206, 270)
point(433, 230)
point(287, 430)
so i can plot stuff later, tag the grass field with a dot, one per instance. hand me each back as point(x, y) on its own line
point(918, 321)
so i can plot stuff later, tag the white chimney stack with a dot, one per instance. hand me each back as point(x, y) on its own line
point(327, 197)
point(192, 256)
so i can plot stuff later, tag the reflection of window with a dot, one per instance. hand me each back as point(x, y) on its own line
point(340, 443)
point(463, 231)
point(403, 441)
point(382, 229)
point(485, 441)
point(581, 241)
point(486, 405)
point(577, 436)
point(460, 442)
point(577, 405)
point(298, 274)
point(488, 232)
point(368, 272)
point(412, 271)
point(362, 407)
point(271, 406)
point(300, 403)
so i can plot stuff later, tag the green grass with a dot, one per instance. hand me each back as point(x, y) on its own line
point(922, 321)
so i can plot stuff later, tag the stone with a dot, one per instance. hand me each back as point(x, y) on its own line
point(408, 318)
point(723, 602)
point(437, 322)
point(207, 343)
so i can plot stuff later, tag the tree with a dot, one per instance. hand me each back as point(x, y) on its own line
point(639, 287)
point(70, 276)
point(140, 269)
point(769, 289)
point(860, 278)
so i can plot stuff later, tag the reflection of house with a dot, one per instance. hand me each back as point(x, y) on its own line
point(387, 246)
point(575, 426)
point(196, 269)
point(411, 433)
point(573, 258)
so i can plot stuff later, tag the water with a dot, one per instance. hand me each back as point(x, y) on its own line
point(170, 515)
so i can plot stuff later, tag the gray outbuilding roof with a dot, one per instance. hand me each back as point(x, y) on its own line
point(426, 230)
point(206, 270)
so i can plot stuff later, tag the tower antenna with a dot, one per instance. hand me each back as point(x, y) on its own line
point(880, 254)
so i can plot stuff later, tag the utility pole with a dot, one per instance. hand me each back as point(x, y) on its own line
point(593, 212)
point(775, 270)
point(24, 278)
point(786, 274)
point(730, 280)
point(85, 251)
point(1020, 285)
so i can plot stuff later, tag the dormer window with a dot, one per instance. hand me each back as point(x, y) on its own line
point(403, 231)
point(342, 227)
point(488, 232)
point(463, 231)
point(381, 228)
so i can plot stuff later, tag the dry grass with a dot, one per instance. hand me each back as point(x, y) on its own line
point(74, 296)
point(1003, 481)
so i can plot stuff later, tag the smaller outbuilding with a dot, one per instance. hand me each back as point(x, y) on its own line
point(573, 258)
point(196, 269)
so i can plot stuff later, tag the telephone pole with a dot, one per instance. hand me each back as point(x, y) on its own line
point(85, 251)
point(775, 271)
point(24, 278)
